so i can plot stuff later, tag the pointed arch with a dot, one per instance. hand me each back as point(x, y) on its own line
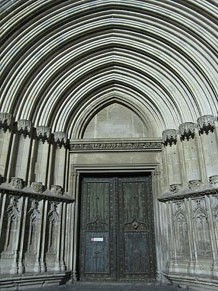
point(98, 104)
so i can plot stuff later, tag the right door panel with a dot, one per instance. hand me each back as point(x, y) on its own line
point(135, 229)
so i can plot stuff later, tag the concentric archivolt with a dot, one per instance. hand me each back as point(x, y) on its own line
point(63, 58)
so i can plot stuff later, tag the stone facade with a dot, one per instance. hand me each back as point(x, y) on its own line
point(37, 217)
point(89, 88)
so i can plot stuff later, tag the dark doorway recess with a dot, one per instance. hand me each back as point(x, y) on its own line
point(116, 228)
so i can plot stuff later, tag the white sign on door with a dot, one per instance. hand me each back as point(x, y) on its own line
point(97, 239)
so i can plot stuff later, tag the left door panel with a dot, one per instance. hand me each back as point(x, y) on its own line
point(97, 250)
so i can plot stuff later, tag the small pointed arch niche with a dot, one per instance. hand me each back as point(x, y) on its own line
point(115, 120)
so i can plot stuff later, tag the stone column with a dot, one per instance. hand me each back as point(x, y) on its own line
point(164, 239)
point(209, 143)
point(164, 170)
point(67, 169)
point(6, 123)
point(24, 128)
point(2, 212)
point(43, 236)
point(63, 238)
point(34, 230)
point(172, 159)
point(41, 167)
point(21, 267)
point(172, 248)
point(60, 142)
point(192, 244)
point(58, 264)
point(31, 168)
point(69, 239)
point(53, 235)
point(187, 132)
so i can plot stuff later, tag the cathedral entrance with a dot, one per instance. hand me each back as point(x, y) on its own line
point(116, 228)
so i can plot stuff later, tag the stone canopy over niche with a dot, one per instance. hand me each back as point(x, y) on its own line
point(115, 121)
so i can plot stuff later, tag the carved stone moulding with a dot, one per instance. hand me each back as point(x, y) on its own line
point(37, 187)
point(6, 121)
point(60, 138)
point(24, 127)
point(43, 133)
point(175, 188)
point(194, 184)
point(57, 190)
point(213, 180)
point(169, 137)
point(187, 130)
point(116, 146)
point(206, 123)
point(16, 183)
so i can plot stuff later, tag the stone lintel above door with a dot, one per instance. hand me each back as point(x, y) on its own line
point(115, 145)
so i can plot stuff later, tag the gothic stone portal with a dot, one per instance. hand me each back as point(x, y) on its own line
point(116, 228)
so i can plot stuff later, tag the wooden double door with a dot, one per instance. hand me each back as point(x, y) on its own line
point(116, 228)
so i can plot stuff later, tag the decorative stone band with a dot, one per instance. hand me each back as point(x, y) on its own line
point(206, 123)
point(189, 194)
point(60, 138)
point(116, 146)
point(169, 137)
point(43, 133)
point(24, 127)
point(6, 121)
point(32, 194)
point(187, 130)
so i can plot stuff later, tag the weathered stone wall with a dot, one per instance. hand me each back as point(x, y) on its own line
point(189, 203)
point(36, 211)
point(34, 230)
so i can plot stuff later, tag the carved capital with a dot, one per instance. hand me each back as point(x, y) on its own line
point(206, 123)
point(175, 188)
point(169, 136)
point(24, 127)
point(60, 138)
point(57, 190)
point(16, 183)
point(213, 180)
point(6, 121)
point(37, 187)
point(43, 133)
point(187, 130)
point(194, 184)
